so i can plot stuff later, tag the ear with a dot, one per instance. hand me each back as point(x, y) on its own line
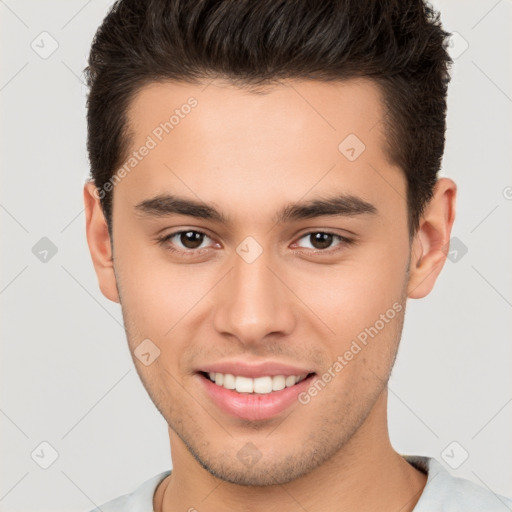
point(431, 241)
point(98, 239)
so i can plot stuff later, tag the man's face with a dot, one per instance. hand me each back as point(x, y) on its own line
point(249, 289)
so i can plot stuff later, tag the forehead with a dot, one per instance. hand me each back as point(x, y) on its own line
point(217, 140)
point(291, 109)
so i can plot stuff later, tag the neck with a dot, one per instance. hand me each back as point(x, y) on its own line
point(366, 474)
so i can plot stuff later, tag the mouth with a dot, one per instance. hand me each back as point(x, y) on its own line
point(259, 385)
point(254, 399)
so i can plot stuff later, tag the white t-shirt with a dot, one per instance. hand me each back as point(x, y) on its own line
point(442, 493)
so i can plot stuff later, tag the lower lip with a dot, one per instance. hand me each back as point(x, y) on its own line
point(254, 406)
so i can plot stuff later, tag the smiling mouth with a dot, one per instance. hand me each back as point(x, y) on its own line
point(255, 386)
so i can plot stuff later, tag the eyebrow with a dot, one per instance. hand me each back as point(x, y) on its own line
point(164, 205)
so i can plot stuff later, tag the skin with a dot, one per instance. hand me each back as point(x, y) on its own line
point(250, 154)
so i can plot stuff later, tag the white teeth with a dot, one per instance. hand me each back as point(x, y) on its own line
point(290, 381)
point(259, 385)
point(229, 381)
point(263, 385)
point(243, 384)
point(278, 383)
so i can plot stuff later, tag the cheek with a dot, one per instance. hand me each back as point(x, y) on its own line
point(150, 283)
point(354, 294)
point(161, 299)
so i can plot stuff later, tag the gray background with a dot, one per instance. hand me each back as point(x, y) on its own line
point(67, 377)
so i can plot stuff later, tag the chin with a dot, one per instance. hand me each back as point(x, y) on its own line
point(249, 467)
point(261, 477)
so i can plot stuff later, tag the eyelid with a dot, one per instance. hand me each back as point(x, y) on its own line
point(164, 239)
point(344, 241)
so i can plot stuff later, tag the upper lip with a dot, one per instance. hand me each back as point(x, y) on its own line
point(266, 368)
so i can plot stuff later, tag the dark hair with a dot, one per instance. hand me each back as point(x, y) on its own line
point(399, 44)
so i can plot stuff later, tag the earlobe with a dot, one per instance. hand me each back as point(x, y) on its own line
point(98, 240)
point(429, 246)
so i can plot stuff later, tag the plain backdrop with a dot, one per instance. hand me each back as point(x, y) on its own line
point(67, 378)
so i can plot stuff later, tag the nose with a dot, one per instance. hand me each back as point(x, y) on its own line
point(253, 302)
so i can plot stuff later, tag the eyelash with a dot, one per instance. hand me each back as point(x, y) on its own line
point(344, 241)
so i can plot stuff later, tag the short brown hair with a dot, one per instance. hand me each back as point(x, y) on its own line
point(398, 43)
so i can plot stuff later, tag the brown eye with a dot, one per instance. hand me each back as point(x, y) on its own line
point(324, 242)
point(191, 239)
point(321, 240)
point(184, 242)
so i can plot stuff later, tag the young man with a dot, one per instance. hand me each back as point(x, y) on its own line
point(264, 200)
